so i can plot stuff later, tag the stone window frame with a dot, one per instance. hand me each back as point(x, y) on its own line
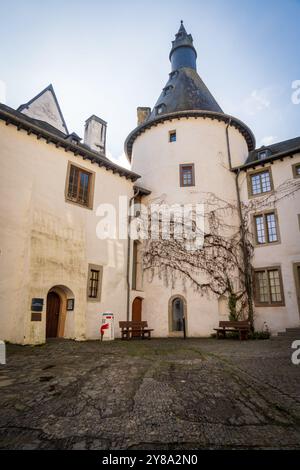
point(99, 268)
point(171, 134)
point(249, 181)
point(181, 166)
point(269, 303)
point(91, 188)
point(294, 169)
point(264, 215)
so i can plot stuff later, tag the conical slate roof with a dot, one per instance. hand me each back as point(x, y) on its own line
point(185, 95)
point(184, 90)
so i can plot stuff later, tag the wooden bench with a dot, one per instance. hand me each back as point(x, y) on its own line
point(242, 327)
point(135, 329)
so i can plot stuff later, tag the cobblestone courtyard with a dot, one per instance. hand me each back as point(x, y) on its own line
point(158, 394)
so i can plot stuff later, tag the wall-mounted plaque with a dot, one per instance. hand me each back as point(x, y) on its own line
point(70, 304)
point(36, 316)
point(37, 305)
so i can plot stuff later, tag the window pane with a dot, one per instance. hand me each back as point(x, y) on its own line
point(260, 229)
point(271, 226)
point(256, 185)
point(261, 286)
point(187, 175)
point(84, 188)
point(275, 288)
point(298, 170)
point(265, 181)
point(73, 183)
point(261, 182)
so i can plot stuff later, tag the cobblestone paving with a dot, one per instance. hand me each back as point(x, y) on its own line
point(158, 394)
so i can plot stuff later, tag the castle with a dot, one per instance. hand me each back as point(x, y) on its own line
point(58, 275)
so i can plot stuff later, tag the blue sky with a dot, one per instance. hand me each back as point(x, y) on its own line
point(107, 58)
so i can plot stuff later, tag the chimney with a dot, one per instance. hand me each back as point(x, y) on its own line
point(142, 114)
point(95, 134)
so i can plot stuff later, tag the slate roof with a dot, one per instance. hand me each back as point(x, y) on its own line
point(274, 149)
point(277, 151)
point(185, 90)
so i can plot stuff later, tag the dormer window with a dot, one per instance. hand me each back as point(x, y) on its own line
point(160, 108)
point(167, 89)
point(262, 154)
point(173, 74)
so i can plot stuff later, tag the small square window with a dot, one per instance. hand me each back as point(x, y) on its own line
point(172, 136)
point(187, 176)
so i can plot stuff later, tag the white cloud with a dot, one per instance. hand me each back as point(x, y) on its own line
point(121, 160)
point(268, 140)
point(257, 101)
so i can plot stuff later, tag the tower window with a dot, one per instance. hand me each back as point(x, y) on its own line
point(187, 175)
point(172, 136)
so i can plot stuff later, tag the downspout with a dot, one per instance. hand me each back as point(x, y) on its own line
point(247, 265)
point(135, 194)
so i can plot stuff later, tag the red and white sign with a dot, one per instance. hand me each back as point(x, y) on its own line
point(107, 330)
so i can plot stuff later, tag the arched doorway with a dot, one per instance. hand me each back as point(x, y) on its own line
point(177, 315)
point(52, 316)
point(60, 312)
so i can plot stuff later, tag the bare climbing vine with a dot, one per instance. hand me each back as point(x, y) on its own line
point(218, 266)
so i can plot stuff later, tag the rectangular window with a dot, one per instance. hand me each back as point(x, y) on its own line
point(268, 287)
point(260, 182)
point(296, 170)
point(266, 228)
point(172, 136)
point(94, 282)
point(187, 177)
point(79, 186)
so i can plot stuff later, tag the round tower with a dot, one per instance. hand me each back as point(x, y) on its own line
point(184, 151)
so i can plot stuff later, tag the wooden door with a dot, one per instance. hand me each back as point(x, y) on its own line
point(52, 315)
point(137, 309)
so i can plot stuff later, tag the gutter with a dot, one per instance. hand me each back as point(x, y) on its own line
point(135, 194)
point(247, 265)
